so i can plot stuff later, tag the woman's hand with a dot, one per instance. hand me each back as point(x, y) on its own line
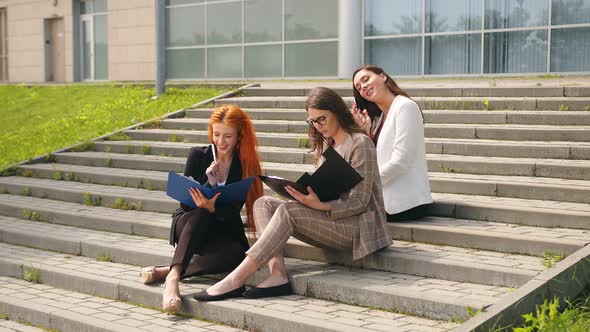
point(213, 173)
point(311, 200)
point(201, 201)
point(361, 118)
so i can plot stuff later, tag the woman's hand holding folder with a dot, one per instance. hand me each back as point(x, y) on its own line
point(202, 201)
point(311, 200)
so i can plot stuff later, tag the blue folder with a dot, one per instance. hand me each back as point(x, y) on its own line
point(178, 186)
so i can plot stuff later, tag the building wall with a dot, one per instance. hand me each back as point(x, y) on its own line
point(25, 30)
point(132, 40)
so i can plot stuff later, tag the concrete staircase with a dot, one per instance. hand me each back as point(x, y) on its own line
point(509, 171)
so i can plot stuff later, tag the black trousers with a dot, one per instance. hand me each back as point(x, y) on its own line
point(198, 234)
point(414, 213)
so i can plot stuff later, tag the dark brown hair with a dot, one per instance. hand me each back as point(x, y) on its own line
point(326, 99)
point(371, 107)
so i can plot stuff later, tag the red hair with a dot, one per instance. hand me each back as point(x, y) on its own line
point(247, 150)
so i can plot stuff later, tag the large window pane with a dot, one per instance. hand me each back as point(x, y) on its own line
point(181, 2)
point(101, 56)
point(397, 56)
point(454, 54)
point(392, 17)
point(224, 23)
point(185, 26)
point(86, 50)
point(224, 62)
point(311, 59)
point(515, 52)
point(311, 19)
point(570, 12)
point(188, 63)
point(263, 22)
point(453, 15)
point(570, 49)
point(263, 61)
point(501, 14)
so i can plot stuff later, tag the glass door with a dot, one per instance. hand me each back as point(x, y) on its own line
point(93, 28)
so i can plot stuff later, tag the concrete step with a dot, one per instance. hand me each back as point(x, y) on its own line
point(550, 168)
point(435, 103)
point(577, 191)
point(482, 131)
point(540, 188)
point(559, 118)
point(502, 209)
point(285, 140)
point(471, 147)
point(487, 235)
point(90, 194)
point(178, 149)
point(571, 118)
point(512, 210)
point(509, 132)
point(272, 126)
point(475, 147)
point(442, 262)
point(388, 290)
point(516, 149)
point(113, 280)
point(7, 325)
point(442, 91)
point(59, 309)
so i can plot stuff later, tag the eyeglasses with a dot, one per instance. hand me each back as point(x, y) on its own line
point(321, 120)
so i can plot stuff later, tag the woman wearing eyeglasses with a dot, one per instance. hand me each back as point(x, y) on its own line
point(354, 223)
point(396, 125)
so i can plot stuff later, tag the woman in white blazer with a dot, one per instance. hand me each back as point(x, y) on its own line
point(396, 125)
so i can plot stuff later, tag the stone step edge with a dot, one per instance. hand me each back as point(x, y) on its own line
point(442, 207)
point(451, 208)
point(225, 312)
point(509, 186)
point(430, 307)
point(64, 319)
point(383, 260)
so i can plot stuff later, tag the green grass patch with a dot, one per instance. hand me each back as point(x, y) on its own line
point(104, 257)
point(550, 259)
point(3, 316)
point(549, 318)
point(41, 119)
point(32, 275)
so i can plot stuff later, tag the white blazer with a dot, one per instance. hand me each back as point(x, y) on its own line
point(401, 156)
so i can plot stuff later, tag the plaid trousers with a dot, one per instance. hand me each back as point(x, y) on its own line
point(277, 220)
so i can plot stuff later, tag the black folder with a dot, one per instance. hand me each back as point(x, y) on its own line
point(333, 178)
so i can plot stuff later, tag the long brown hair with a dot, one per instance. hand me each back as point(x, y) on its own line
point(326, 99)
point(371, 107)
point(247, 149)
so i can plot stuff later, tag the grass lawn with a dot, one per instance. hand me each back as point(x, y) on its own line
point(38, 120)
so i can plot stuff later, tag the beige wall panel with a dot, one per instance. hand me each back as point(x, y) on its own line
point(132, 40)
point(26, 74)
point(134, 35)
point(26, 52)
point(131, 4)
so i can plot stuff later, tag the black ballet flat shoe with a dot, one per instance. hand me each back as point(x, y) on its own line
point(203, 296)
point(258, 292)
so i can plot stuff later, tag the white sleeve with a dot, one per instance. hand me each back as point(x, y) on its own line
point(408, 129)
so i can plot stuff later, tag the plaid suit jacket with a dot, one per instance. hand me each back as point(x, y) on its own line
point(364, 202)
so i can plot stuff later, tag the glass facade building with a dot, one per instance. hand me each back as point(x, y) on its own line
point(303, 38)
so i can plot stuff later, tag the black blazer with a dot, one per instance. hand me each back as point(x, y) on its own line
point(228, 222)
